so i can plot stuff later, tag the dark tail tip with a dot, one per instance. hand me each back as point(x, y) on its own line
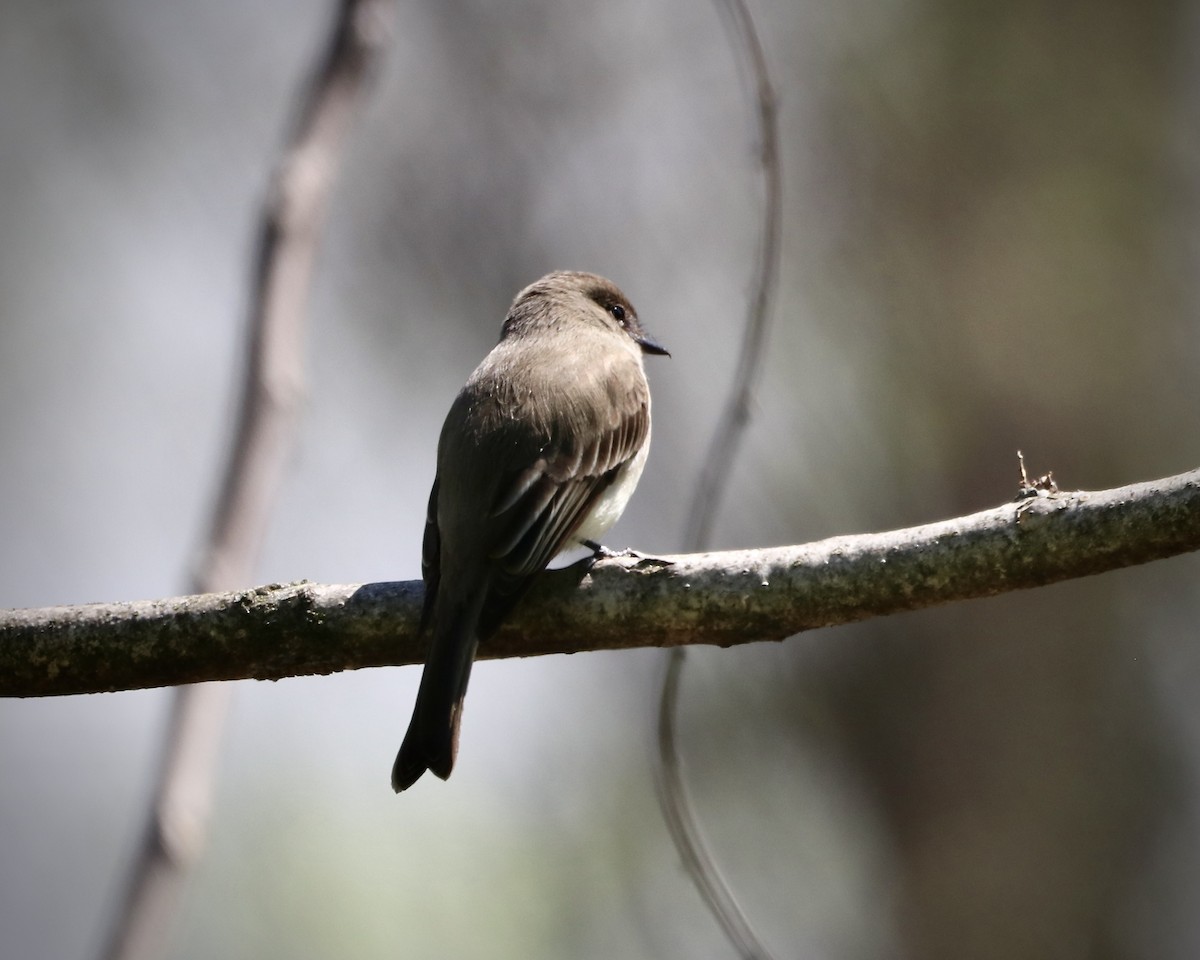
point(407, 769)
point(422, 751)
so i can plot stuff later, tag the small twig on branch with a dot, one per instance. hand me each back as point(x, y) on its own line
point(298, 195)
point(717, 598)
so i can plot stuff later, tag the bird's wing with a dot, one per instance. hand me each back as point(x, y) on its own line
point(431, 557)
point(537, 510)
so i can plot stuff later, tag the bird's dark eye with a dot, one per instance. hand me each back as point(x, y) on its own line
point(618, 313)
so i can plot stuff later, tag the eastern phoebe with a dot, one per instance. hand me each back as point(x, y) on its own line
point(540, 452)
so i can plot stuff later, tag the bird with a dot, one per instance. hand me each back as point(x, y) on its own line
point(539, 453)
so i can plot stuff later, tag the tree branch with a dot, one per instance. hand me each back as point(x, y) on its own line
point(716, 598)
point(292, 216)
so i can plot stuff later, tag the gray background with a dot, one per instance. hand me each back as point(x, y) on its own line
point(991, 242)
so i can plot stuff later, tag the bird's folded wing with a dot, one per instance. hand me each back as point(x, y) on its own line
point(431, 556)
point(536, 512)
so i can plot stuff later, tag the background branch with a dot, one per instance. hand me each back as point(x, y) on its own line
point(710, 487)
point(718, 598)
point(272, 386)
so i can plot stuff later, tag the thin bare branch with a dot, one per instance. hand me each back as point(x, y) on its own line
point(714, 598)
point(271, 392)
point(714, 475)
point(684, 827)
point(673, 796)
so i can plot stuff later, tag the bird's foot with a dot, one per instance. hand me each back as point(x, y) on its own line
point(601, 552)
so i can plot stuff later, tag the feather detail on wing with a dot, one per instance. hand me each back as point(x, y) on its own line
point(536, 512)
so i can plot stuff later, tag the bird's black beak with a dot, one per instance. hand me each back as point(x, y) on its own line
point(650, 345)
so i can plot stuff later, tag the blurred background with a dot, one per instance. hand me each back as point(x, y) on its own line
point(991, 240)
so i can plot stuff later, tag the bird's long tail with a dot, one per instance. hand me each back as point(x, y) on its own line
point(432, 738)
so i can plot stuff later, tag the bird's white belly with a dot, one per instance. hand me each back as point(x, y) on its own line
point(612, 502)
